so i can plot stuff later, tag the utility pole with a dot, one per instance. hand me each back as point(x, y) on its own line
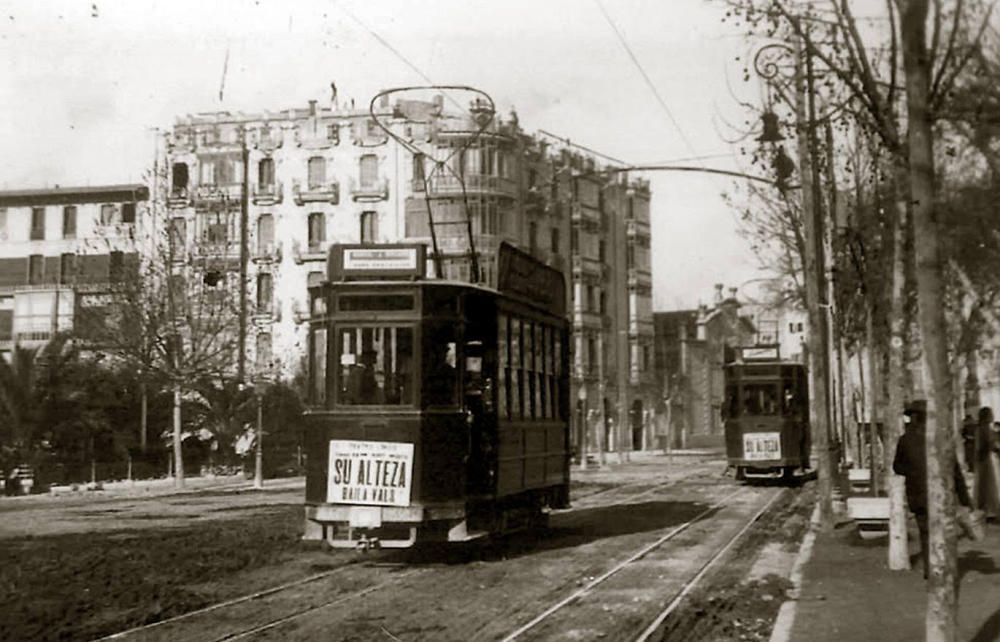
point(244, 254)
point(258, 471)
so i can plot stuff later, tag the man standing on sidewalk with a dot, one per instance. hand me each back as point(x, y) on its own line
point(911, 462)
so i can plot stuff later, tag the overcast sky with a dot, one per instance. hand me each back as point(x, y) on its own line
point(84, 85)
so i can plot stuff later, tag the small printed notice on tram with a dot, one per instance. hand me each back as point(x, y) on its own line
point(376, 473)
point(759, 446)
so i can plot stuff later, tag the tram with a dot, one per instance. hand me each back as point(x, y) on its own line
point(766, 414)
point(438, 410)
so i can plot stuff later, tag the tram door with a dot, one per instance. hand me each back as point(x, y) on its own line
point(479, 372)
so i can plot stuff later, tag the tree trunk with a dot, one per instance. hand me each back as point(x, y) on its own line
point(875, 396)
point(942, 604)
point(143, 415)
point(899, 557)
point(178, 454)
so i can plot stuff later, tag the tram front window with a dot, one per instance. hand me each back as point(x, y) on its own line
point(760, 399)
point(375, 365)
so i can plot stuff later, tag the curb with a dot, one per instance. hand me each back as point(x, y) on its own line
point(782, 630)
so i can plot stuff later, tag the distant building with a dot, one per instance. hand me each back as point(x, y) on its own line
point(320, 175)
point(60, 248)
point(692, 346)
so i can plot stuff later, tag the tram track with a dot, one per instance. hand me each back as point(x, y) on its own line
point(264, 613)
point(586, 589)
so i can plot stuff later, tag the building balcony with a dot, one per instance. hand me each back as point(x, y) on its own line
point(376, 191)
point(535, 201)
point(586, 216)
point(269, 194)
point(217, 250)
point(313, 251)
point(266, 253)
point(268, 314)
point(208, 196)
point(180, 141)
point(638, 278)
point(268, 140)
point(587, 319)
point(316, 140)
point(300, 312)
point(640, 328)
point(179, 197)
point(447, 185)
point(324, 193)
point(586, 267)
point(637, 230)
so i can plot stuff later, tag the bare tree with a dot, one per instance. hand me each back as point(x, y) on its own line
point(173, 312)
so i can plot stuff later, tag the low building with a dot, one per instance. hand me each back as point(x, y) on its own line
point(60, 248)
point(692, 348)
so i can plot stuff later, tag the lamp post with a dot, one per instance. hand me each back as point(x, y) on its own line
point(767, 65)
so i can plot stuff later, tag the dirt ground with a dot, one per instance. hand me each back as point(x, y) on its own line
point(101, 567)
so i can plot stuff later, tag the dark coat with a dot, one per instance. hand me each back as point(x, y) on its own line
point(911, 462)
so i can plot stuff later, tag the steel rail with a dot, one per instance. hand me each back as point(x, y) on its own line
point(231, 602)
point(690, 584)
point(312, 609)
point(541, 617)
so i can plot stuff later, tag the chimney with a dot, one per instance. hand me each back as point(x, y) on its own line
point(312, 108)
point(732, 293)
point(718, 293)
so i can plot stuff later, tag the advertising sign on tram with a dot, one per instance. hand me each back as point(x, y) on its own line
point(377, 473)
point(761, 446)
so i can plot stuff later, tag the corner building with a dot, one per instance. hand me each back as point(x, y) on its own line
point(60, 250)
point(320, 175)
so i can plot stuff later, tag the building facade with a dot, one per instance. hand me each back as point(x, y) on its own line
point(60, 249)
point(693, 347)
point(276, 189)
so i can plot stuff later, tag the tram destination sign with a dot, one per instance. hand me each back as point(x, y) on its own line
point(522, 275)
point(376, 473)
point(373, 262)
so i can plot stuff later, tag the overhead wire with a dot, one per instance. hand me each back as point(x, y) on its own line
point(642, 71)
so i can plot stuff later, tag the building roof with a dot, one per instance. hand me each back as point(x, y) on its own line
point(125, 193)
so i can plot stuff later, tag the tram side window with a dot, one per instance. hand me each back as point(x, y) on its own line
point(515, 369)
point(318, 365)
point(530, 409)
point(556, 370)
point(760, 399)
point(503, 369)
point(540, 372)
point(375, 365)
point(545, 349)
point(440, 372)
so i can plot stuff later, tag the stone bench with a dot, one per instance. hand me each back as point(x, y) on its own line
point(859, 479)
point(871, 514)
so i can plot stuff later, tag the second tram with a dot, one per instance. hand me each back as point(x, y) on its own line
point(438, 409)
point(766, 414)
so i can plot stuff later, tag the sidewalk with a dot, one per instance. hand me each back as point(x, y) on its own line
point(847, 593)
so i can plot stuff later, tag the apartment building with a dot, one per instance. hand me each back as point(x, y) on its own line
point(302, 179)
point(60, 248)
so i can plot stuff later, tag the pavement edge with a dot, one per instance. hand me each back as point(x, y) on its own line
point(786, 614)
